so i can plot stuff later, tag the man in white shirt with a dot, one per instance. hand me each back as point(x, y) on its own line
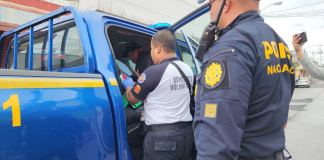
point(166, 101)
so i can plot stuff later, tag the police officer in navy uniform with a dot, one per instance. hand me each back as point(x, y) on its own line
point(245, 87)
point(166, 98)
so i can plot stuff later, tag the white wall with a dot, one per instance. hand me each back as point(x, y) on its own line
point(145, 11)
point(14, 16)
point(74, 3)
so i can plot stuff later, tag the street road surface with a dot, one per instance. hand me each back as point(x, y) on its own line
point(305, 128)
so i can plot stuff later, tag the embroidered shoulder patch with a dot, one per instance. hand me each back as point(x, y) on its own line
point(214, 74)
point(137, 89)
point(210, 111)
point(142, 78)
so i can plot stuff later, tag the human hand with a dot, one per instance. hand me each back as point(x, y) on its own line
point(298, 47)
point(137, 73)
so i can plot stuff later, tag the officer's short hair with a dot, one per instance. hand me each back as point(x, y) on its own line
point(166, 40)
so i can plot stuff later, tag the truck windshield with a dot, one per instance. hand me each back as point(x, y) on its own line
point(193, 30)
point(190, 34)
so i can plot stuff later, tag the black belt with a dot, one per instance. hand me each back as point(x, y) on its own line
point(170, 126)
point(277, 156)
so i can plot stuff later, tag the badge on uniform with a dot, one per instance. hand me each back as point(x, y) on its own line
point(210, 111)
point(137, 89)
point(214, 74)
point(142, 78)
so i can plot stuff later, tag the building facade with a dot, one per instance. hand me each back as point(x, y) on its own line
point(17, 12)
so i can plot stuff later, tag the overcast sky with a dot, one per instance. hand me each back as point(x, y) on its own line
point(294, 16)
point(288, 18)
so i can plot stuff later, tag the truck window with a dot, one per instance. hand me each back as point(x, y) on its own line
point(39, 60)
point(67, 49)
point(58, 49)
point(22, 54)
point(73, 48)
point(119, 40)
point(10, 58)
point(187, 57)
point(4, 45)
point(191, 34)
point(23, 43)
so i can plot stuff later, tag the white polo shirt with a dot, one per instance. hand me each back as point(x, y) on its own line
point(165, 93)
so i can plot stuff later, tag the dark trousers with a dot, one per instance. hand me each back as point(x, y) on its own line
point(169, 142)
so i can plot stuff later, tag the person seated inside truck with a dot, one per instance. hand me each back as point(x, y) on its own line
point(134, 117)
point(133, 55)
point(133, 112)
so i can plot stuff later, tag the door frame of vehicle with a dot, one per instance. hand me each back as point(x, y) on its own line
point(116, 22)
point(187, 19)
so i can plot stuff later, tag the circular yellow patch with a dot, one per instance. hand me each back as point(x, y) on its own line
point(213, 74)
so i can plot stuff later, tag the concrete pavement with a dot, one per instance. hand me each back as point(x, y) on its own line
point(305, 128)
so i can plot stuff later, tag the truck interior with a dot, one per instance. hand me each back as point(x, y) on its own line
point(119, 36)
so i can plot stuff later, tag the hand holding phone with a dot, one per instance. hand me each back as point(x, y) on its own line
point(298, 42)
point(303, 38)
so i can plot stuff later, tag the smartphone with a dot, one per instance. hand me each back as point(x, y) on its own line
point(303, 38)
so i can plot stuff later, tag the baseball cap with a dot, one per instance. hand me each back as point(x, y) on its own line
point(128, 46)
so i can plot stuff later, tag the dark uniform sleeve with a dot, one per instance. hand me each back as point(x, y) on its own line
point(222, 101)
point(148, 81)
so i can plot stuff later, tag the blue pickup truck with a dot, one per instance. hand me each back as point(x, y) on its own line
point(60, 92)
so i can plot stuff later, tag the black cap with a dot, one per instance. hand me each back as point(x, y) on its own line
point(128, 46)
